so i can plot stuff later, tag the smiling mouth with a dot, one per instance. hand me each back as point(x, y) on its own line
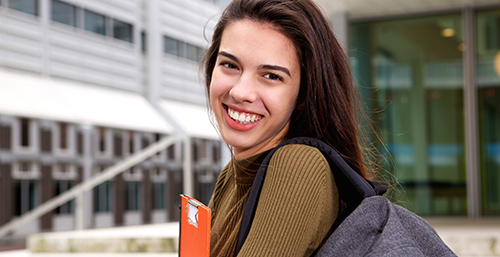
point(242, 117)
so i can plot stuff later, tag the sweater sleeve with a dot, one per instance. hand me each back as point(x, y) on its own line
point(297, 206)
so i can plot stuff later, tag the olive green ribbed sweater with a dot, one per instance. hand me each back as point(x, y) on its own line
point(297, 206)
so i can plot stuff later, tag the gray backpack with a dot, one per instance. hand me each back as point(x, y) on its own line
point(368, 223)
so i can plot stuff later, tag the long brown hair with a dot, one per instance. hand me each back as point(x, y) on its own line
point(326, 106)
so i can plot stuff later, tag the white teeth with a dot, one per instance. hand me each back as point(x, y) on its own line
point(242, 118)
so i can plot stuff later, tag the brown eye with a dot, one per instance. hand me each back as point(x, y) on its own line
point(228, 65)
point(273, 76)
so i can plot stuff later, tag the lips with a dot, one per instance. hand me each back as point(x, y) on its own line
point(240, 120)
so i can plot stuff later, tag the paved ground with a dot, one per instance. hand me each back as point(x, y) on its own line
point(25, 253)
point(468, 238)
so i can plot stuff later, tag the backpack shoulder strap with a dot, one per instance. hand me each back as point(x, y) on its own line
point(351, 186)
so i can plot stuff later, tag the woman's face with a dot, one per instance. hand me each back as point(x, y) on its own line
point(254, 87)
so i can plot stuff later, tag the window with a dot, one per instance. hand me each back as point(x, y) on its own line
point(79, 143)
point(191, 52)
point(25, 132)
point(102, 196)
point(145, 142)
point(200, 52)
point(171, 152)
point(63, 135)
point(123, 31)
point(216, 154)
point(5, 137)
point(25, 167)
point(206, 186)
point(170, 46)
point(196, 155)
point(158, 195)
point(488, 94)
point(25, 196)
point(412, 69)
point(181, 49)
point(45, 140)
point(63, 13)
point(131, 139)
point(132, 194)
point(25, 6)
point(94, 22)
point(60, 187)
point(144, 41)
point(102, 140)
point(118, 144)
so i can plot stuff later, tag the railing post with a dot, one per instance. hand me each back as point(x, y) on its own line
point(80, 212)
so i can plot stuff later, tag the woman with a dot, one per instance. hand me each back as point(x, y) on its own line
point(275, 71)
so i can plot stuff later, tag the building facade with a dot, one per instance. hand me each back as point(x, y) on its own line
point(85, 85)
point(428, 74)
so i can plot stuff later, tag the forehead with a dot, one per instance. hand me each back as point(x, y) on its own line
point(249, 36)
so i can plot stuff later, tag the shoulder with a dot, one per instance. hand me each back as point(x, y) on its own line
point(300, 160)
point(297, 154)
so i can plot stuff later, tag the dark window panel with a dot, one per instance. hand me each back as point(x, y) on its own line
point(170, 45)
point(144, 42)
point(25, 196)
point(132, 194)
point(61, 187)
point(118, 145)
point(123, 31)
point(5, 137)
point(25, 6)
point(196, 152)
point(200, 52)
point(102, 140)
point(191, 52)
point(94, 22)
point(63, 135)
point(25, 132)
point(79, 143)
point(181, 49)
point(131, 142)
point(45, 140)
point(145, 142)
point(159, 195)
point(216, 152)
point(63, 13)
point(171, 152)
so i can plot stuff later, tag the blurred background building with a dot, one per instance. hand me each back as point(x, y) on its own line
point(85, 84)
point(429, 78)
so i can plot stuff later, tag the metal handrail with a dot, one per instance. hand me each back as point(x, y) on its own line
point(88, 185)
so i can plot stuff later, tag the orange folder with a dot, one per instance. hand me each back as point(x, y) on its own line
point(195, 227)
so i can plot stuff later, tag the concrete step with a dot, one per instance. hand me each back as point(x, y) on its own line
point(470, 238)
point(467, 238)
point(154, 238)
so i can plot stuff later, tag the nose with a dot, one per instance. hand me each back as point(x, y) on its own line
point(245, 89)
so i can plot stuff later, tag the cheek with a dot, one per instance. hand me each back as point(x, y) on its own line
point(219, 86)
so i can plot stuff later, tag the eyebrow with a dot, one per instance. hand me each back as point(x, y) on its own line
point(264, 66)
